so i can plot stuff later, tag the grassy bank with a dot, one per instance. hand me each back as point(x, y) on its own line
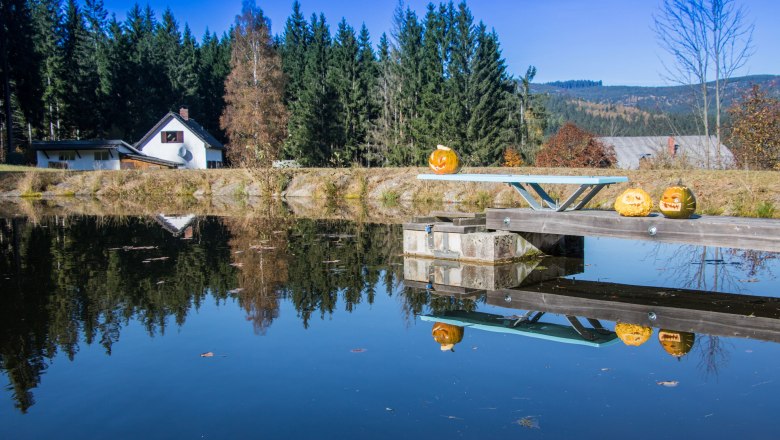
point(738, 193)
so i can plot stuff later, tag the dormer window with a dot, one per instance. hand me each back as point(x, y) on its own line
point(172, 137)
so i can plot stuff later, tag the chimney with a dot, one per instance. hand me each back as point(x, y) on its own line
point(184, 112)
point(671, 146)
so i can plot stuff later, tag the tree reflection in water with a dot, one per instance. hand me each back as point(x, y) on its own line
point(72, 280)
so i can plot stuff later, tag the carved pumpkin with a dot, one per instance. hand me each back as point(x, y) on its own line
point(447, 335)
point(677, 202)
point(634, 202)
point(443, 160)
point(633, 334)
point(675, 343)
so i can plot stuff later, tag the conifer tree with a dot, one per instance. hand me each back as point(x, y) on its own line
point(213, 69)
point(255, 118)
point(313, 121)
point(488, 88)
point(366, 94)
point(48, 36)
point(430, 123)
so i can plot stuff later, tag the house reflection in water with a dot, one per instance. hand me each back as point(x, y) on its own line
point(178, 225)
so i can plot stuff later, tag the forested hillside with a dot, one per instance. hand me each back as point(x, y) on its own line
point(636, 111)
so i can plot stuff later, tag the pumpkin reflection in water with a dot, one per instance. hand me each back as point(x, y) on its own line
point(444, 160)
point(677, 202)
point(447, 335)
point(633, 334)
point(634, 202)
point(677, 344)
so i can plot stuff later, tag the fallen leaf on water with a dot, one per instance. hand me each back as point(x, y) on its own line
point(331, 261)
point(389, 409)
point(605, 369)
point(237, 264)
point(358, 350)
point(238, 252)
point(454, 418)
point(236, 290)
point(207, 354)
point(749, 280)
point(668, 383)
point(161, 282)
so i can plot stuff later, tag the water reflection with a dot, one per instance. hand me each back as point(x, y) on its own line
point(72, 280)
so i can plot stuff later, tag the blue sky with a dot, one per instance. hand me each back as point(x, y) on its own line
point(609, 40)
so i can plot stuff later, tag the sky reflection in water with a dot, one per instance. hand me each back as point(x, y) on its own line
point(314, 335)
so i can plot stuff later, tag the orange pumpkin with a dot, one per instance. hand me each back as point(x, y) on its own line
point(677, 202)
point(443, 160)
point(634, 202)
point(447, 335)
point(633, 334)
point(677, 344)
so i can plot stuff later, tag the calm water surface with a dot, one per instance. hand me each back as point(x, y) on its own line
point(309, 331)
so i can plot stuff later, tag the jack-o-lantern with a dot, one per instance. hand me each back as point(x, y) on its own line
point(633, 334)
point(444, 160)
point(447, 335)
point(634, 202)
point(677, 202)
point(677, 344)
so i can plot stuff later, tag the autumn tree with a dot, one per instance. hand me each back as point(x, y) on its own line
point(755, 131)
point(254, 117)
point(576, 148)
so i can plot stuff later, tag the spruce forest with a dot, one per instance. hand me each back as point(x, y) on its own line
point(76, 73)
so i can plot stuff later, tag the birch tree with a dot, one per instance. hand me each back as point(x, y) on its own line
point(255, 117)
point(708, 39)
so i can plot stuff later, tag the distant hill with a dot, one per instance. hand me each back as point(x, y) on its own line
point(636, 111)
point(668, 99)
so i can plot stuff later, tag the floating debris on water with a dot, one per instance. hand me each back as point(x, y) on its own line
point(207, 354)
point(530, 422)
point(235, 291)
point(668, 383)
point(358, 350)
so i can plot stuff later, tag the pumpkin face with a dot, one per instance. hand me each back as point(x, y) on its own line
point(677, 344)
point(634, 202)
point(443, 160)
point(633, 334)
point(677, 202)
point(447, 335)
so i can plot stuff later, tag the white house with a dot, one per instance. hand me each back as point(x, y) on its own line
point(698, 151)
point(178, 138)
point(96, 154)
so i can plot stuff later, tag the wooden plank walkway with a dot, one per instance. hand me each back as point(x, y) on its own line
point(731, 232)
point(712, 313)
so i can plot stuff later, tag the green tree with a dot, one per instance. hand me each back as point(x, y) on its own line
point(48, 35)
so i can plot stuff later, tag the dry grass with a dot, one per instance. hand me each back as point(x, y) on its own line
point(740, 193)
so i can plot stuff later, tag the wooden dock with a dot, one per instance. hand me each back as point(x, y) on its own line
point(711, 313)
point(730, 232)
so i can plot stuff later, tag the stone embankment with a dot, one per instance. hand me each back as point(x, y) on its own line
point(739, 193)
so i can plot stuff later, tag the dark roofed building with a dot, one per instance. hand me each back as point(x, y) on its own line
point(180, 139)
point(94, 154)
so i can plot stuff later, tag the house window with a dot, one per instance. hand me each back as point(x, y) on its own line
point(213, 164)
point(102, 155)
point(59, 165)
point(172, 137)
point(67, 155)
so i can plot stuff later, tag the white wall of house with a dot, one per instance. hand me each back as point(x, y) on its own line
point(86, 162)
point(196, 148)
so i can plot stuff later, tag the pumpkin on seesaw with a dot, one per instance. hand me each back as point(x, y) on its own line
point(633, 334)
point(447, 335)
point(443, 160)
point(677, 344)
point(634, 202)
point(677, 202)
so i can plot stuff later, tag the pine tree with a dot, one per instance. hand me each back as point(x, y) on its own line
point(48, 29)
point(429, 126)
point(95, 17)
point(255, 118)
point(295, 41)
point(343, 78)
point(213, 69)
point(366, 94)
point(461, 47)
point(186, 76)
point(313, 120)
point(407, 60)
point(488, 89)
point(81, 77)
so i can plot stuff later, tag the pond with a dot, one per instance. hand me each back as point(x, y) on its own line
point(184, 326)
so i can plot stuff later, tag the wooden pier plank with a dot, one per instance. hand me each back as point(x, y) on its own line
point(732, 232)
point(712, 313)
